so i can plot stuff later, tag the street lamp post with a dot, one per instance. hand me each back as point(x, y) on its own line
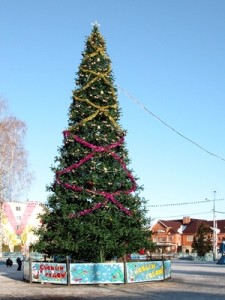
point(214, 229)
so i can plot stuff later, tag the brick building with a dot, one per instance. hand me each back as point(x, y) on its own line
point(172, 236)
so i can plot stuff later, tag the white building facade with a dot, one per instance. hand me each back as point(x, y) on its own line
point(19, 219)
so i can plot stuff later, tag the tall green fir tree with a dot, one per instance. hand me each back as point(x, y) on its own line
point(94, 210)
point(202, 241)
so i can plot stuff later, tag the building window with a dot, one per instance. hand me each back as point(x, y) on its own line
point(190, 238)
point(18, 236)
point(170, 238)
point(18, 217)
point(18, 208)
point(162, 239)
point(17, 226)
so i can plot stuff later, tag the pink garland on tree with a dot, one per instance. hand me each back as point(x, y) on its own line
point(108, 196)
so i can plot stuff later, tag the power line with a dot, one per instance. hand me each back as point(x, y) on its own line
point(177, 216)
point(184, 203)
point(167, 125)
point(220, 212)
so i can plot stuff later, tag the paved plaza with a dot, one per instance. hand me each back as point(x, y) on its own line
point(190, 280)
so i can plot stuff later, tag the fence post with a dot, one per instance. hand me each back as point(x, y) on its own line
point(68, 269)
point(30, 270)
point(125, 269)
point(164, 275)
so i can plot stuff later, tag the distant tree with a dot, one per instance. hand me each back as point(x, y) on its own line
point(94, 212)
point(202, 241)
point(14, 175)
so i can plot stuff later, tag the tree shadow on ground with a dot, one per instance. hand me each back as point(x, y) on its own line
point(11, 273)
point(166, 295)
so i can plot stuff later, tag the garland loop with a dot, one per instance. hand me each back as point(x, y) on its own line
point(108, 196)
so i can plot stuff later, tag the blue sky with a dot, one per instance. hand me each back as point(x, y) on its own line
point(169, 55)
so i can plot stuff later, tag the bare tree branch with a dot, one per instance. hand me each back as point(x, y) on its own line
point(14, 175)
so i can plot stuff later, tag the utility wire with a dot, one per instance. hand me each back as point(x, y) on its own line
point(177, 216)
point(167, 125)
point(184, 203)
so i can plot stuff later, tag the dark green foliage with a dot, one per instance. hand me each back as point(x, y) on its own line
point(106, 232)
point(202, 242)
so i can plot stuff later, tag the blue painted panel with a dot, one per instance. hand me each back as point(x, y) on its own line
point(144, 271)
point(167, 266)
point(96, 273)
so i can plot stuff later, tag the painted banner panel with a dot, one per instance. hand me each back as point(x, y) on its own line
point(96, 273)
point(49, 272)
point(144, 271)
point(167, 267)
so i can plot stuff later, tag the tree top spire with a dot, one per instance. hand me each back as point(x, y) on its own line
point(95, 25)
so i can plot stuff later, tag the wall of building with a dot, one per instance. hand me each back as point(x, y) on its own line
point(181, 238)
point(166, 241)
point(18, 221)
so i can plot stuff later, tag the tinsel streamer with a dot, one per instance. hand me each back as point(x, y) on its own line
point(109, 196)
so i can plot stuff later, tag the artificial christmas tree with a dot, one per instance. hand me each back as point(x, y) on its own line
point(94, 212)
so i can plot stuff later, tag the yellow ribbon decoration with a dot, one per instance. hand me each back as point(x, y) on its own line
point(98, 75)
point(99, 109)
point(97, 50)
point(93, 104)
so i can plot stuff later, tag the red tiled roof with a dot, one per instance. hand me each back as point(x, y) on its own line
point(192, 227)
point(220, 224)
point(173, 224)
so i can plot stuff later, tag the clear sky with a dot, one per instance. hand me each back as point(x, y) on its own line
point(169, 55)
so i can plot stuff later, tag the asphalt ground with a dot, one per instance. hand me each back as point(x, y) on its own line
point(190, 280)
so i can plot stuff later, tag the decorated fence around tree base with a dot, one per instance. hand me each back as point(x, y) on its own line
point(96, 273)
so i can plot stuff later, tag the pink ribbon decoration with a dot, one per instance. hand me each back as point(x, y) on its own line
point(108, 196)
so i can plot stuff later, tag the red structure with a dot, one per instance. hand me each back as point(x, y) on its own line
point(172, 236)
